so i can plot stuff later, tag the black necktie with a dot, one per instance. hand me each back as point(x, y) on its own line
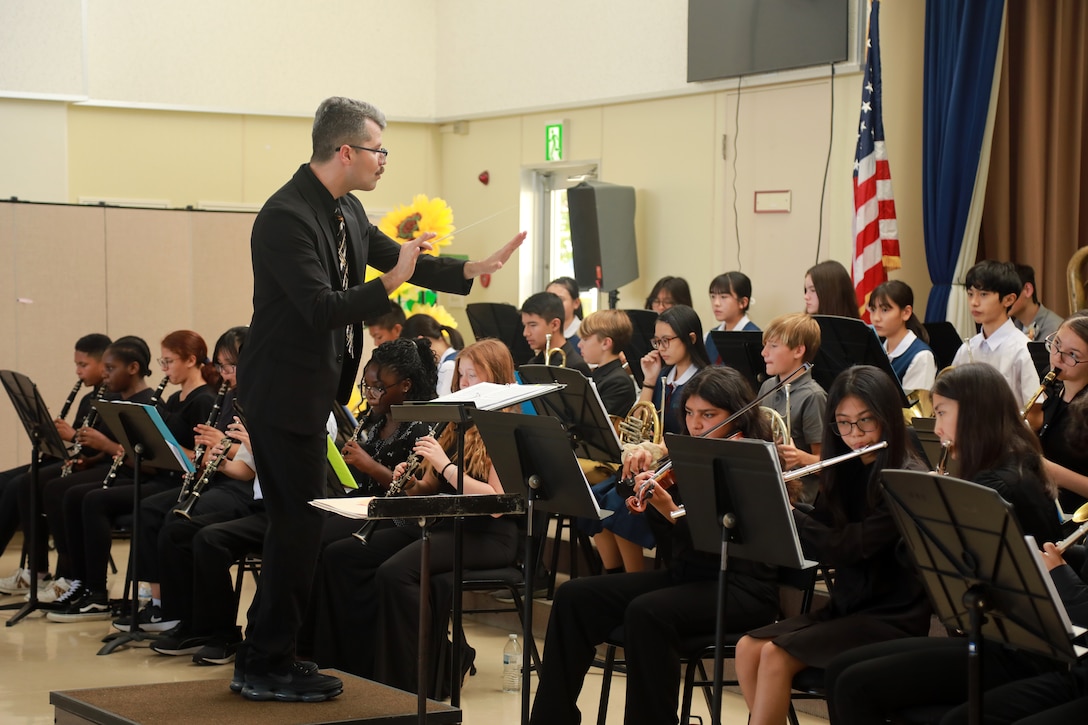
point(342, 252)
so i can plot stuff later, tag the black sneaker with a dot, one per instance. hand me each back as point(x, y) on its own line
point(298, 684)
point(149, 618)
point(179, 643)
point(217, 651)
point(65, 600)
point(89, 606)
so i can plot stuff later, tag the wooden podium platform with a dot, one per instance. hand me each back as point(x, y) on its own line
point(363, 701)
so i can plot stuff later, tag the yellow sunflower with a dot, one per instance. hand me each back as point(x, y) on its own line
point(423, 215)
point(438, 312)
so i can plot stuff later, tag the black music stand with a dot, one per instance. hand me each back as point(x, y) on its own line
point(644, 323)
point(44, 438)
point(847, 341)
point(737, 504)
point(742, 350)
point(503, 322)
point(456, 408)
point(945, 341)
point(1039, 357)
point(983, 576)
point(143, 434)
point(579, 407)
point(533, 457)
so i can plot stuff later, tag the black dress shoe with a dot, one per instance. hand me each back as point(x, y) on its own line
point(298, 684)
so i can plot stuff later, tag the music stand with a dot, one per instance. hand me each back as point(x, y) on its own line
point(143, 434)
point(533, 457)
point(1040, 357)
point(847, 341)
point(742, 350)
point(579, 407)
point(503, 322)
point(983, 577)
point(44, 438)
point(643, 324)
point(945, 341)
point(737, 505)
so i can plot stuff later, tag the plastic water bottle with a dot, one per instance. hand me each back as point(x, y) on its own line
point(511, 665)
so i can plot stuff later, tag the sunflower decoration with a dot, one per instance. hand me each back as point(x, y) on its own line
point(408, 222)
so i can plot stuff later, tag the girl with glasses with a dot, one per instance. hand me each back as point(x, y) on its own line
point(876, 596)
point(678, 353)
point(1062, 419)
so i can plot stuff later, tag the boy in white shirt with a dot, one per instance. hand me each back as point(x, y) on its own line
point(992, 288)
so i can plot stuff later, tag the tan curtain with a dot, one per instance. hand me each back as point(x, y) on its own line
point(1036, 209)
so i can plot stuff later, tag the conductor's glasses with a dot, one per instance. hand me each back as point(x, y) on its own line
point(864, 425)
point(383, 153)
point(1067, 358)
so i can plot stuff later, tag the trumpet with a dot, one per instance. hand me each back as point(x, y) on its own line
point(399, 484)
point(70, 399)
point(205, 478)
point(198, 452)
point(1046, 381)
point(88, 420)
point(549, 350)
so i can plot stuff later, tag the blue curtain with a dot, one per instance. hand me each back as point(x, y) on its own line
point(961, 47)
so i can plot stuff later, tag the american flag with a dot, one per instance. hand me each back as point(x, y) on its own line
point(876, 237)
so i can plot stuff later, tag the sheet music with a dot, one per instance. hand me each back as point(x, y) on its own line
point(357, 507)
point(494, 396)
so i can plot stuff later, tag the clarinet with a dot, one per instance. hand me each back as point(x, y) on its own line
point(184, 510)
point(70, 399)
point(115, 464)
point(401, 483)
point(198, 452)
point(88, 420)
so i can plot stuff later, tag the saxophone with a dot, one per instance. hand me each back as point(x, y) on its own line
point(88, 420)
point(115, 464)
point(399, 484)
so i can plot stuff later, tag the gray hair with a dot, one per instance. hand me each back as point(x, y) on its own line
point(339, 121)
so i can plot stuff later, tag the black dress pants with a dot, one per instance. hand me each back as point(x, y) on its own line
point(291, 467)
point(655, 612)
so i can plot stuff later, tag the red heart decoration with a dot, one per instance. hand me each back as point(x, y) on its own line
point(484, 178)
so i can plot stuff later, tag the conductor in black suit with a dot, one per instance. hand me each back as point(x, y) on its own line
point(310, 246)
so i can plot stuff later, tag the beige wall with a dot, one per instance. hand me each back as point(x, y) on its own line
point(177, 269)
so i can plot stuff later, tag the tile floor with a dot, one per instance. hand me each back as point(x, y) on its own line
point(37, 656)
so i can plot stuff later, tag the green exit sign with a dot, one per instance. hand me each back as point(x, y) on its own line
point(553, 141)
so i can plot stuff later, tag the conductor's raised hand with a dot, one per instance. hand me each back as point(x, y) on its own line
point(410, 252)
point(495, 261)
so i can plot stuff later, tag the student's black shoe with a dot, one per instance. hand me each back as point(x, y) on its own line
point(298, 684)
point(88, 606)
point(149, 618)
point(217, 651)
point(179, 643)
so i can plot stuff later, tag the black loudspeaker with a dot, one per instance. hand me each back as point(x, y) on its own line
point(602, 234)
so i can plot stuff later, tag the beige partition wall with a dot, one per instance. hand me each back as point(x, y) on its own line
point(71, 270)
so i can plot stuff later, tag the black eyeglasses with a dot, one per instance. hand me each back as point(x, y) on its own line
point(864, 425)
point(228, 369)
point(660, 343)
point(384, 153)
point(1067, 358)
point(378, 389)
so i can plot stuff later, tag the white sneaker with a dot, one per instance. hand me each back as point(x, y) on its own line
point(17, 583)
point(51, 590)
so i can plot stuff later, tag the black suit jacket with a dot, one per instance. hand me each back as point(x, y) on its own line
point(293, 365)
